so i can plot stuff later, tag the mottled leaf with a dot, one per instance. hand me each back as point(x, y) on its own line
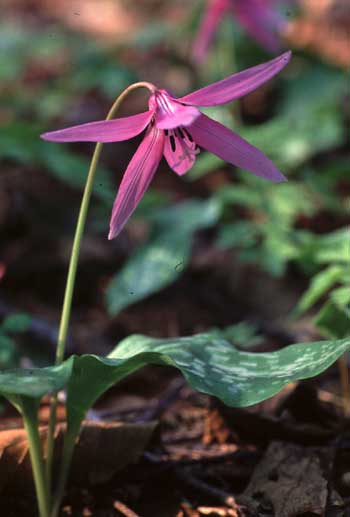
point(34, 382)
point(209, 363)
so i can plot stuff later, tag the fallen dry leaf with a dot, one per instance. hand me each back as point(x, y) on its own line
point(102, 450)
point(14, 458)
point(105, 448)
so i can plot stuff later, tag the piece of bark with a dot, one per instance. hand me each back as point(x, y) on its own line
point(14, 458)
point(290, 481)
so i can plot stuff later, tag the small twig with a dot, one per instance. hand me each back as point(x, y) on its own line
point(218, 458)
point(222, 512)
point(221, 496)
point(123, 509)
point(183, 437)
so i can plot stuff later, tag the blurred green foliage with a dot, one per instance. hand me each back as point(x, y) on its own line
point(242, 335)
point(166, 254)
point(46, 74)
point(52, 77)
point(68, 65)
point(267, 237)
point(10, 326)
point(331, 257)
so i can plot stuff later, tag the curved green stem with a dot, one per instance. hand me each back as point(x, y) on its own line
point(30, 418)
point(73, 264)
point(68, 295)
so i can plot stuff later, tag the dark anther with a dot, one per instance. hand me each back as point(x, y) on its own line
point(188, 135)
point(181, 132)
point(172, 143)
point(166, 131)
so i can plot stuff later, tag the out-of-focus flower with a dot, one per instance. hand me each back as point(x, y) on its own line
point(176, 129)
point(260, 18)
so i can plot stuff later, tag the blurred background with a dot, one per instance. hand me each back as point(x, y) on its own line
point(216, 248)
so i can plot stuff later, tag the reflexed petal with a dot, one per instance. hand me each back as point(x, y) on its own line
point(104, 131)
point(180, 151)
point(237, 85)
point(212, 16)
point(231, 148)
point(136, 179)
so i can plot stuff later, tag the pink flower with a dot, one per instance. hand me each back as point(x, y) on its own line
point(176, 129)
point(258, 17)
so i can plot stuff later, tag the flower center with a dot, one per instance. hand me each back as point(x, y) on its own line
point(169, 113)
point(181, 145)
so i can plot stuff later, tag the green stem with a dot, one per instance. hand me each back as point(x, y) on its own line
point(68, 449)
point(73, 264)
point(31, 425)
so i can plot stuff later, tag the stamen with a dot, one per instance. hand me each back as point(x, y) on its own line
point(166, 131)
point(187, 134)
point(180, 132)
point(172, 143)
